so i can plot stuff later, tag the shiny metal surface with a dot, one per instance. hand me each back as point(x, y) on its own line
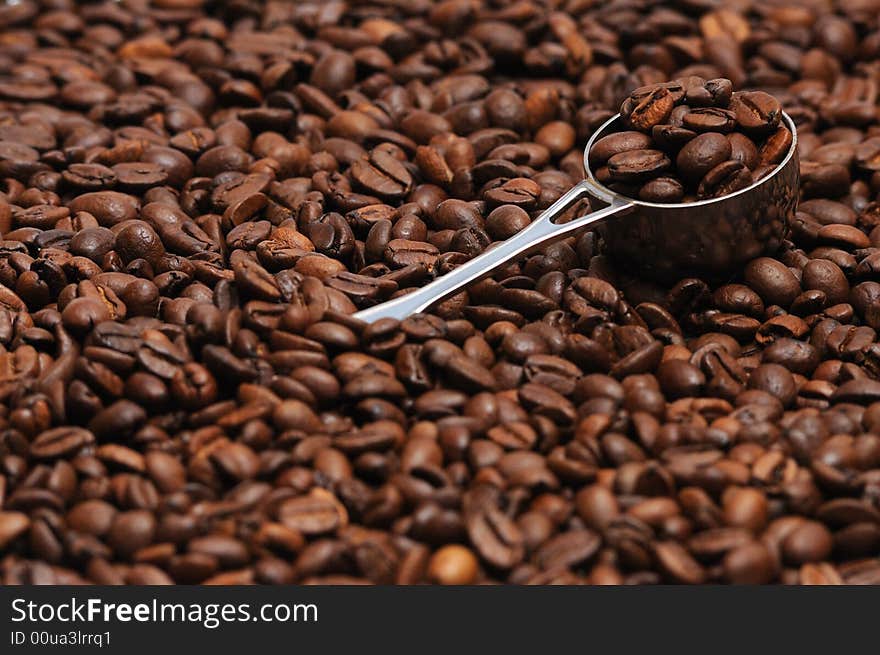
point(539, 233)
point(711, 237)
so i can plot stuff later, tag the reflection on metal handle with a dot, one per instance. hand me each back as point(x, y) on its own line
point(541, 232)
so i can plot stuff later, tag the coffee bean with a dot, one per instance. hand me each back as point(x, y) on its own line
point(678, 564)
point(647, 107)
point(827, 277)
point(616, 143)
point(702, 154)
point(401, 252)
point(334, 72)
point(597, 506)
point(131, 531)
point(317, 513)
point(518, 191)
point(671, 137)
point(743, 149)
point(679, 378)
point(453, 565)
point(775, 380)
point(569, 550)
point(12, 525)
point(496, 538)
point(557, 136)
point(819, 574)
point(93, 517)
point(724, 179)
point(381, 173)
point(810, 542)
point(751, 563)
point(745, 508)
point(710, 119)
point(637, 165)
point(775, 283)
point(662, 189)
point(108, 207)
point(89, 177)
point(756, 112)
point(776, 147)
point(61, 442)
point(505, 221)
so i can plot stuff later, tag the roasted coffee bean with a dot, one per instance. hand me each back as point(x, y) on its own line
point(678, 564)
point(131, 531)
point(710, 119)
point(662, 189)
point(751, 563)
point(89, 177)
point(702, 154)
point(497, 539)
point(381, 173)
point(597, 506)
point(724, 179)
point(743, 149)
point(505, 221)
point(453, 565)
point(569, 550)
point(637, 165)
point(317, 513)
point(12, 526)
point(809, 542)
point(680, 378)
point(776, 147)
point(773, 281)
point(647, 107)
point(756, 112)
point(60, 442)
point(670, 137)
point(614, 144)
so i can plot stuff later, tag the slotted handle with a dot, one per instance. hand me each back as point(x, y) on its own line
point(541, 232)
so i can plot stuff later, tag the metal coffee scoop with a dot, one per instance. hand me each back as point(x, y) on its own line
point(664, 241)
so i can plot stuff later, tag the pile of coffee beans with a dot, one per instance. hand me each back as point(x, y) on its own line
point(196, 196)
point(691, 139)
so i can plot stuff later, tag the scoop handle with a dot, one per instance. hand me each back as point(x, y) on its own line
point(541, 232)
